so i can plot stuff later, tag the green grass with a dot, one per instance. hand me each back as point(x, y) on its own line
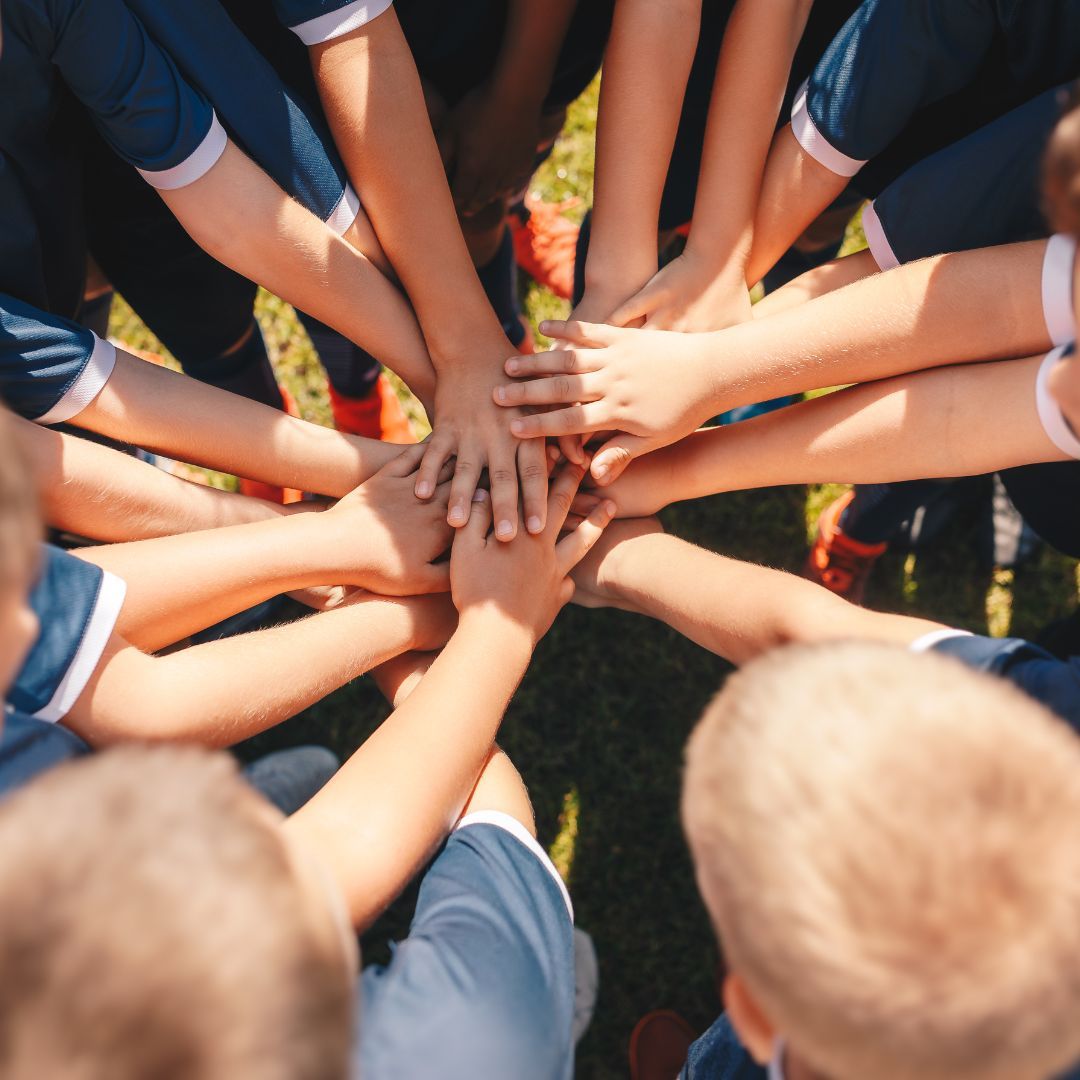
point(600, 721)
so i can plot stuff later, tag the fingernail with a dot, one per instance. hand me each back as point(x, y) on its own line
point(609, 508)
point(517, 426)
point(543, 327)
point(505, 530)
point(599, 471)
point(423, 489)
point(458, 516)
point(534, 524)
point(512, 367)
point(500, 393)
point(479, 495)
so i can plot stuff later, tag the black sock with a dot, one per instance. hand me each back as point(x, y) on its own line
point(352, 371)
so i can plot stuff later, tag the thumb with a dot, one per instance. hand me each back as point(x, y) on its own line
point(405, 463)
point(588, 335)
point(613, 457)
point(638, 307)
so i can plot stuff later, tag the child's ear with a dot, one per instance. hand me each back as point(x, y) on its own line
point(753, 1027)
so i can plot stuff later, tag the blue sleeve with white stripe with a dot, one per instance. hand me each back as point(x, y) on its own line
point(484, 983)
point(318, 21)
point(140, 102)
point(77, 605)
point(50, 368)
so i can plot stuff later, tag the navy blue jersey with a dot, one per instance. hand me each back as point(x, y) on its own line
point(62, 60)
point(50, 368)
point(484, 983)
point(77, 605)
point(29, 747)
point(316, 21)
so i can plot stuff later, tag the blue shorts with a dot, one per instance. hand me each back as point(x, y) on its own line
point(77, 605)
point(905, 78)
point(484, 983)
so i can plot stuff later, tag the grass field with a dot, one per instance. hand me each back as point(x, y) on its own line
point(599, 723)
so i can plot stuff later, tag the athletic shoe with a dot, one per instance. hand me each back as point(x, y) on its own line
point(659, 1044)
point(545, 243)
point(256, 489)
point(837, 561)
point(377, 415)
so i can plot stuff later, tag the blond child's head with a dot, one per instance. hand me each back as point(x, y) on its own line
point(155, 922)
point(889, 847)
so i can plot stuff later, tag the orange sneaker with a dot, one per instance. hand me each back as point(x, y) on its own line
point(256, 489)
point(377, 415)
point(545, 245)
point(837, 561)
point(659, 1044)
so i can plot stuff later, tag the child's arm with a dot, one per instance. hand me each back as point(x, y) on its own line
point(657, 387)
point(371, 92)
point(646, 66)
point(222, 692)
point(94, 491)
point(393, 802)
point(704, 288)
point(956, 421)
point(379, 537)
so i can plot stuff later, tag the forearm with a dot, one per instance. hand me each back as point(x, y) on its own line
point(646, 67)
point(739, 610)
point(239, 216)
point(373, 100)
point(106, 495)
point(956, 421)
point(179, 585)
point(535, 31)
point(755, 63)
point(393, 802)
point(161, 410)
point(222, 692)
point(834, 275)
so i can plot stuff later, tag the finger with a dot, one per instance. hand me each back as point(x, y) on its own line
point(406, 462)
point(436, 577)
point(556, 390)
point(589, 335)
point(462, 487)
point(503, 480)
point(533, 473)
point(554, 362)
point(585, 502)
point(436, 455)
point(564, 489)
point(637, 307)
point(573, 449)
point(613, 457)
point(480, 520)
point(572, 421)
point(573, 547)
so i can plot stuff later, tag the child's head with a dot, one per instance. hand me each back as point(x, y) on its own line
point(20, 534)
point(155, 922)
point(889, 847)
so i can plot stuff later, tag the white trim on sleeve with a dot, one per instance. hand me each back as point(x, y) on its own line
point(876, 239)
point(517, 830)
point(195, 166)
point(344, 214)
point(1053, 419)
point(86, 387)
point(1057, 288)
point(928, 641)
point(814, 143)
point(337, 23)
point(110, 600)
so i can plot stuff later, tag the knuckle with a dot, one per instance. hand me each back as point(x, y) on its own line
point(562, 387)
point(500, 474)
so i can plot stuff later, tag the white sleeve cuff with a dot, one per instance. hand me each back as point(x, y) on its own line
point(876, 239)
point(86, 387)
point(928, 641)
point(195, 166)
point(1057, 289)
point(814, 143)
point(1053, 419)
point(110, 600)
point(344, 20)
point(344, 214)
point(517, 830)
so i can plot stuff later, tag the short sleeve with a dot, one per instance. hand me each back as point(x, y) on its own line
point(50, 368)
point(1054, 422)
point(146, 111)
point(77, 605)
point(484, 983)
point(317, 21)
point(1053, 682)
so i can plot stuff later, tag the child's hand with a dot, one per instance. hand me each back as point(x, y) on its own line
point(385, 539)
point(597, 575)
point(650, 385)
point(434, 619)
point(645, 488)
point(526, 580)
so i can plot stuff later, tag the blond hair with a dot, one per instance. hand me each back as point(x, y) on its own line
point(150, 926)
point(889, 845)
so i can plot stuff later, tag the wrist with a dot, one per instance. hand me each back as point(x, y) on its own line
point(489, 623)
